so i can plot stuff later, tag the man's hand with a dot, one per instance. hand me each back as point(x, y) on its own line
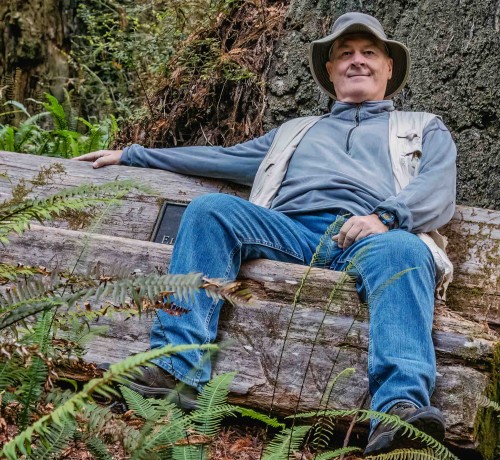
point(102, 158)
point(359, 227)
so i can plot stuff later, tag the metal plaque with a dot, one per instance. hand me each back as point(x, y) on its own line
point(167, 224)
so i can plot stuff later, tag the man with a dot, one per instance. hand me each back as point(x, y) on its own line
point(348, 166)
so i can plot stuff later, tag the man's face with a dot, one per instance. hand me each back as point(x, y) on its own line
point(359, 68)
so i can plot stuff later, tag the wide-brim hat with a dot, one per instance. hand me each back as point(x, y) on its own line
point(352, 23)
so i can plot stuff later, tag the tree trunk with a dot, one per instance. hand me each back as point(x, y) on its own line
point(35, 41)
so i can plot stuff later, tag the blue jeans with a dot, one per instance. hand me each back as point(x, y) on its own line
point(218, 232)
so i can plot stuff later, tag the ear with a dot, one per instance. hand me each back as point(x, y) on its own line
point(329, 69)
point(389, 68)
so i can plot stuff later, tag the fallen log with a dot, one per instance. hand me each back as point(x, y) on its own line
point(465, 329)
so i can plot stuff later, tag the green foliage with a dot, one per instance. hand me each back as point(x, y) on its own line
point(15, 218)
point(57, 131)
point(211, 405)
point(284, 445)
point(337, 453)
point(126, 46)
point(47, 426)
point(390, 420)
point(487, 403)
point(98, 449)
point(407, 454)
point(55, 441)
point(32, 387)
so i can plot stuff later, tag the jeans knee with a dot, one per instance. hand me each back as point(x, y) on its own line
point(210, 205)
point(408, 247)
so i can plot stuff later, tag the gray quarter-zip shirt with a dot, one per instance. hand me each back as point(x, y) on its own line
point(343, 162)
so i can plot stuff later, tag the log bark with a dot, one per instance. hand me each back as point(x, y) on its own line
point(474, 233)
point(253, 336)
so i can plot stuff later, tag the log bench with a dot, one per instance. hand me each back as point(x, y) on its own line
point(465, 332)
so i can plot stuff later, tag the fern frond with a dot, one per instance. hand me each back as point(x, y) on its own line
point(98, 449)
point(375, 296)
point(17, 218)
point(189, 452)
point(487, 403)
point(406, 454)
point(12, 373)
point(13, 272)
point(148, 409)
point(212, 405)
point(162, 435)
point(392, 421)
point(22, 442)
point(57, 112)
point(54, 441)
point(322, 432)
point(285, 444)
point(97, 417)
point(346, 373)
point(29, 309)
point(254, 415)
point(32, 388)
point(337, 453)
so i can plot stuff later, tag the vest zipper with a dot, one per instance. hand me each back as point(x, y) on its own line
point(356, 124)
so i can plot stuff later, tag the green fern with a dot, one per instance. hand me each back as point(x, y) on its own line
point(337, 453)
point(322, 432)
point(46, 425)
point(165, 424)
point(254, 415)
point(212, 405)
point(189, 452)
point(12, 272)
point(148, 409)
point(32, 388)
point(487, 403)
point(7, 138)
point(57, 111)
point(54, 442)
point(98, 449)
point(285, 444)
point(12, 373)
point(390, 420)
point(323, 428)
point(407, 454)
point(17, 218)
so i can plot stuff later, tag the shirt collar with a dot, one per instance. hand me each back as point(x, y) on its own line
point(347, 110)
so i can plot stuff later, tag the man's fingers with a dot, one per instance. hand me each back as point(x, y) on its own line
point(357, 228)
point(102, 158)
point(92, 156)
point(351, 236)
point(104, 161)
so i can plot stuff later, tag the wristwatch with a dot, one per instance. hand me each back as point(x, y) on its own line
point(387, 218)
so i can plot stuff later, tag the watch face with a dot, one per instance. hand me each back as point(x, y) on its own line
point(386, 217)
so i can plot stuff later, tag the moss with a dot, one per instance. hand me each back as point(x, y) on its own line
point(487, 428)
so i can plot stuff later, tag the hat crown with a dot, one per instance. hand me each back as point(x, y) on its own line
point(354, 22)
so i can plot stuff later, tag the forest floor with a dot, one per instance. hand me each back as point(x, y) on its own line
point(238, 441)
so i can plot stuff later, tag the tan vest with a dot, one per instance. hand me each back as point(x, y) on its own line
point(405, 146)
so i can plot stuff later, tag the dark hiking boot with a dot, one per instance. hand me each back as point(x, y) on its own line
point(154, 382)
point(427, 419)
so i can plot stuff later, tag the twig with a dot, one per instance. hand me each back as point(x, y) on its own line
point(351, 426)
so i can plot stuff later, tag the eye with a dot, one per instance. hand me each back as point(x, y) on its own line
point(369, 52)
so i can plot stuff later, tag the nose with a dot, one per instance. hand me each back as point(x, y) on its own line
point(358, 59)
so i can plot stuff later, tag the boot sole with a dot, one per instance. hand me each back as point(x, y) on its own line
point(428, 420)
